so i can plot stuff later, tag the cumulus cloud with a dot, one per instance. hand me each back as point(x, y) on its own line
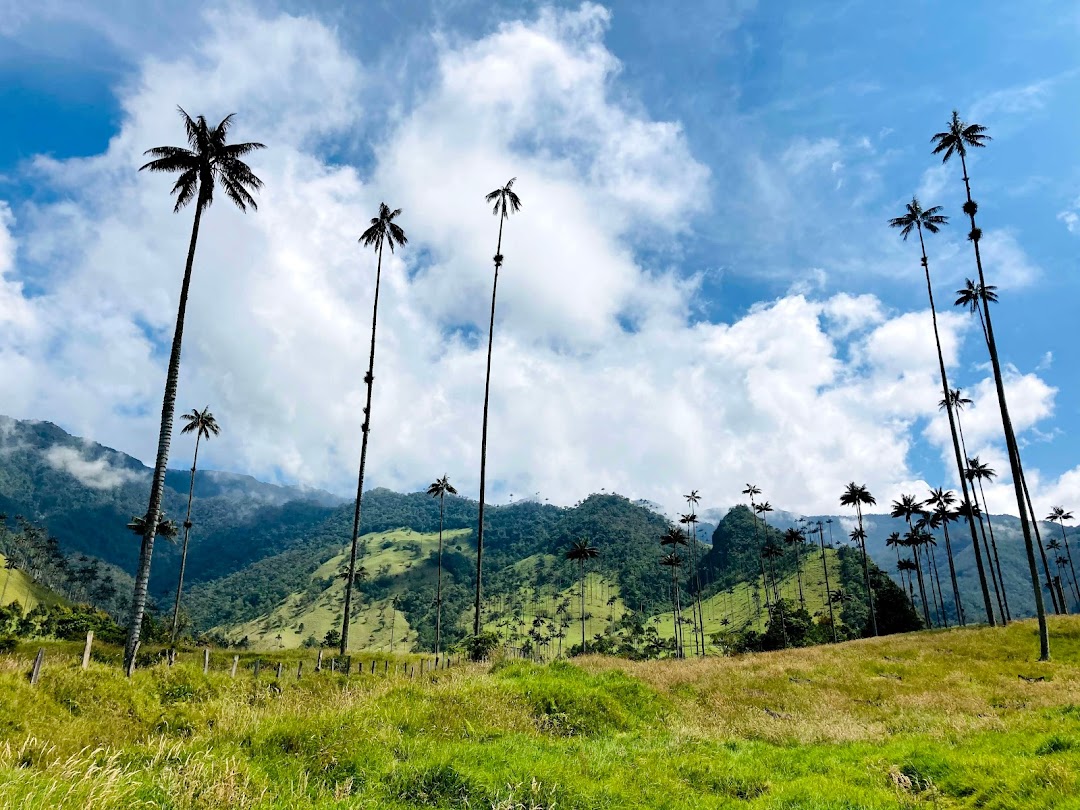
point(599, 377)
point(95, 473)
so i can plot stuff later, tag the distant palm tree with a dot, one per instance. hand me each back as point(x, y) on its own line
point(942, 500)
point(674, 538)
point(956, 139)
point(908, 507)
point(1059, 515)
point(795, 538)
point(763, 509)
point(505, 202)
point(581, 552)
point(382, 231)
point(203, 425)
point(893, 542)
point(753, 490)
point(440, 488)
point(971, 296)
point(692, 500)
point(977, 472)
point(825, 569)
point(855, 495)
point(208, 161)
point(928, 522)
point(931, 220)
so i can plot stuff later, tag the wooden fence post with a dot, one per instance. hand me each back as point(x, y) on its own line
point(299, 669)
point(279, 665)
point(170, 656)
point(35, 673)
point(386, 667)
point(333, 665)
point(258, 666)
point(205, 660)
point(318, 663)
point(86, 649)
point(134, 653)
point(235, 661)
point(372, 666)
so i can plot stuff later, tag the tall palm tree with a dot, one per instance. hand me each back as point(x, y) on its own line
point(795, 538)
point(753, 490)
point(929, 522)
point(206, 161)
point(581, 552)
point(908, 507)
point(505, 202)
point(893, 542)
point(440, 488)
point(1059, 515)
point(956, 139)
point(942, 500)
point(931, 220)
point(382, 231)
point(825, 569)
point(203, 425)
point(692, 500)
point(763, 509)
point(855, 495)
point(674, 538)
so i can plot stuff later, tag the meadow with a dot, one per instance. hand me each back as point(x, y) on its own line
point(942, 719)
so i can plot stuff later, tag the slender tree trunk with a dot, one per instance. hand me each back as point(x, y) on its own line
point(1010, 437)
point(940, 590)
point(866, 573)
point(960, 465)
point(798, 574)
point(187, 530)
point(765, 582)
point(483, 437)
point(952, 575)
point(157, 486)
point(828, 592)
point(922, 586)
point(438, 581)
point(366, 430)
point(582, 606)
point(1068, 553)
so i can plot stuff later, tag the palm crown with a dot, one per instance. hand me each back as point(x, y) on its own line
point(580, 551)
point(973, 292)
point(383, 229)
point(915, 217)
point(957, 137)
point(856, 494)
point(506, 202)
point(440, 487)
point(201, 423)
point(956, 399)
point(674, 537)
point(208, 161)
point(1058, 513)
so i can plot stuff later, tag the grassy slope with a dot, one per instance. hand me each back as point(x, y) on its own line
point(17, 586)
point(946, 719)
point(398, 550)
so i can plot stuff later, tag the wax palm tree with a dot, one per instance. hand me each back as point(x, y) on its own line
point(956, 139)
point(203, 425)
point(906, 565)
point(795, 538)
point(893, 542)
point(440, 488)
point(382, 231)
point(206, 162)
point(977, 472)
point(942, 500)
point(908, 507)
point(581, 552)
point(165, 527)
point(855, 495)
point(931, 220)
point(825, 569)
point(692, 500)
point(915, 540)
point(929, 522)
point(1059, 515)
point(674, 538)
point(505, 202)
point(971, 297)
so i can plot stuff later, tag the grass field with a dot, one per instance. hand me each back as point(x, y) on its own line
point(15, 586)
point(942, 719)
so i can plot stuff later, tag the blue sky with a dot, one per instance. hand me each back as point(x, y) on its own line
point(713, 189)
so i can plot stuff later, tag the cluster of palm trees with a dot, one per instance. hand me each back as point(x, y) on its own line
point(209, 162)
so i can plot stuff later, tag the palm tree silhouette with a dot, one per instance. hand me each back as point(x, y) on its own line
point(440, 488)
point(208, 161)
point(1059, 515)
point(382, 231)
point(931, 220)
point(893, 542)
point(942, 500)
point(928, 522)
point(795, 538)
point(825, 569)
point(763, 509)
point(581, 551)
point(692, 501)
point(203, 425)
point(977, 472)
point(674, 538)
point(956, 139)
point(855, 495)
point(907, 507)
point(505, 202)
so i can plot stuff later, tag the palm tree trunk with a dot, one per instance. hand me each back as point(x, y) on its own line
point(940, 590)
point(582, 605)
point(483, 436)
point(1068, 553)
point(952, 575)
point(960, 465)
point(1010, 437)
point(866, 573)
point(922, 586)
point(828, 593)
point(798, 574)
point(695, 580)
point(157, 486)
point(765, 582)
point(678, 612)
point(366, 430)
point(438, 581)
point(183, 552)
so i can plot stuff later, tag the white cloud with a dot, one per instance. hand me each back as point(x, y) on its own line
point(95, 473)
point(599, 379)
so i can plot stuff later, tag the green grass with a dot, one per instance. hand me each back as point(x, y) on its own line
point(943, 719)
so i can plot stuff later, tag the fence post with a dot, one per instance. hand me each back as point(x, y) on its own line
point(386, 667)
point(235, 661)
point(258, 666)
point(170, 656)
point(372, 666)
point(205, 660)
point(318, 663)
point(131, 666)
point(333, 665)
point(299, 669)
point(86, 649)
point(35, 673)
point(279, 670)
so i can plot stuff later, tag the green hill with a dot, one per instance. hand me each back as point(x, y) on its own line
point(946, 719)
point(15, 586)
